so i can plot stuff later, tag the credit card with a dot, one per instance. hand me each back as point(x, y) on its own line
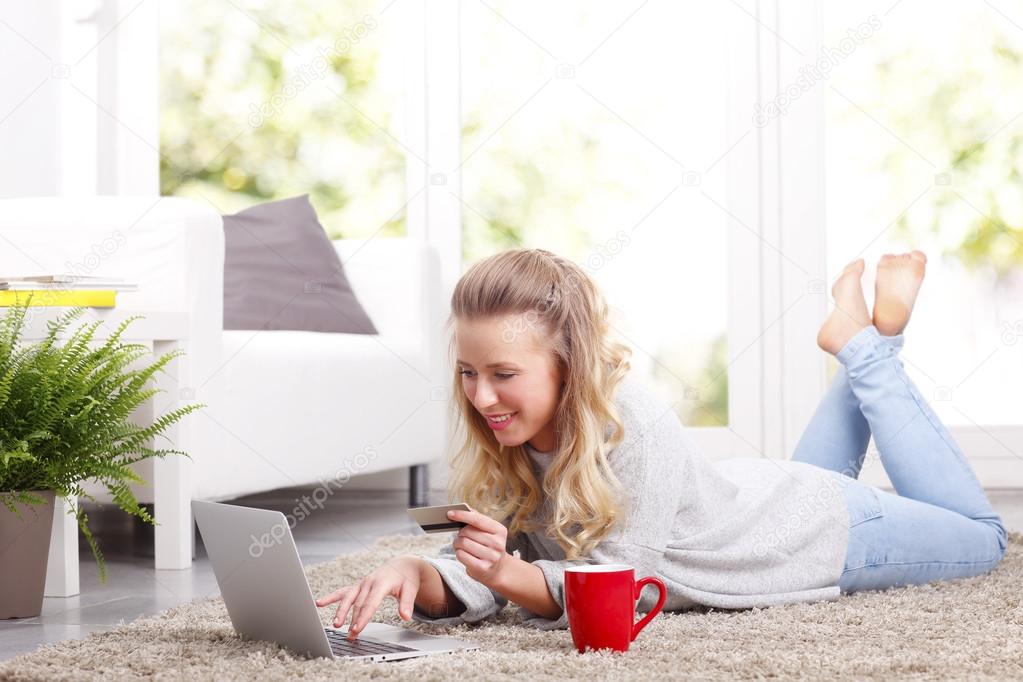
point(435, 519)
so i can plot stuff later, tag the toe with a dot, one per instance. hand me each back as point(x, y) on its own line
point(855, 266)
point(918, 255)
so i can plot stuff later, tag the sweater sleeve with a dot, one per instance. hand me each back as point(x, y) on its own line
point(480, 601)
point(651, 467)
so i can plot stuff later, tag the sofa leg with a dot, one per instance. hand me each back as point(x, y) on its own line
point(418, 486)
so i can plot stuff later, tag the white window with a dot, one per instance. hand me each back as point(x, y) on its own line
point(924, 132)
point(482, 125)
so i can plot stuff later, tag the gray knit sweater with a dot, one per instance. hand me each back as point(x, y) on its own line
point(736, 533)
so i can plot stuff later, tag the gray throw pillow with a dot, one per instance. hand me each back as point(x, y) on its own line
point(282, 272)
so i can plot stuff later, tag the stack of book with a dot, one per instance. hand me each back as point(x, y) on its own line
point(63, 290)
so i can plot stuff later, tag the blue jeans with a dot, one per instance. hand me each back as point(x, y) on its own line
point(940, 525)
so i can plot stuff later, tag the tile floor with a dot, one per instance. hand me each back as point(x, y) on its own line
point(133, 588)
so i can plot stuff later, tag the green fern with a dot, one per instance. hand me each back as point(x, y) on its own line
point(65, 404)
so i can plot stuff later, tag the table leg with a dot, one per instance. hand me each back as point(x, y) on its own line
point(62, 565)
point(172, 482)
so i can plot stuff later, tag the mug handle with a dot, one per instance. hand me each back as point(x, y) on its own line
point(639, 585)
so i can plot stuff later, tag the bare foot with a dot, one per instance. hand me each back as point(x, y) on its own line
point(898, 281)
point(850, 314)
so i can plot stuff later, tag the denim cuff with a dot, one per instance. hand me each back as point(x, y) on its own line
point(867, 343)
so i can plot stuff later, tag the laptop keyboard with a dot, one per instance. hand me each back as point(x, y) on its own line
point(343, 647)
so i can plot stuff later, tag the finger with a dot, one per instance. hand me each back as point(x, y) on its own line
point(481, 521)
point(369, 607)
point(361, 608)
point(488, 539)
point(345, 605)
point(480, 551)
point(406, 600)
point(469, 561)
point(342, 609)
point(356, 608)
point(332, 597)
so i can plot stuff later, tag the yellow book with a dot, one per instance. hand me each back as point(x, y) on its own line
point(94, 298)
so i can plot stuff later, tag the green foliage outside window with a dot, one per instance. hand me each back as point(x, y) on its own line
point(951, 114)
point(259, 103)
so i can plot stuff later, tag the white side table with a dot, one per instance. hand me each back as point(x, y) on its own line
point(172, 483)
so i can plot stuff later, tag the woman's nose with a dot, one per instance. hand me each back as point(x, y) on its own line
point(485, 395)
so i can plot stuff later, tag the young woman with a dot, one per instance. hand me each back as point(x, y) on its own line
point(567, 460)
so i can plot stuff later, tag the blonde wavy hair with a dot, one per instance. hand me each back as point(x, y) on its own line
point(557, 298)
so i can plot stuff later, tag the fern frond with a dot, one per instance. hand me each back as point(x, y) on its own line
point(65, 414)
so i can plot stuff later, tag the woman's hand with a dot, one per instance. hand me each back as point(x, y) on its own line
point(480, 546)
point(398, 578)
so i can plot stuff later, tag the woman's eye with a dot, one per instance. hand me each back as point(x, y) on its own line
point(470, 373)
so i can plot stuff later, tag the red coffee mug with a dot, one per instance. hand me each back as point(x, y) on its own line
point(601, 604)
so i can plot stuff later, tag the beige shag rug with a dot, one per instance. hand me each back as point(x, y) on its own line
point(965, 629)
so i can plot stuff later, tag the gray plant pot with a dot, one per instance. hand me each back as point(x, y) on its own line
point(24, 551)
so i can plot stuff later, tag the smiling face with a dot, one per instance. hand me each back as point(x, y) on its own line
point(508, 368)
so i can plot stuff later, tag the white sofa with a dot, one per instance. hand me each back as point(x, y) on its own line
point(294, 408)
point(285, 408)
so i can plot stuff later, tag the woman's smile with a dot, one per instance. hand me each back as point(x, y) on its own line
point(499, 423)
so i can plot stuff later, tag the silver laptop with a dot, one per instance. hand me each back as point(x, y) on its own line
point(268, 598)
